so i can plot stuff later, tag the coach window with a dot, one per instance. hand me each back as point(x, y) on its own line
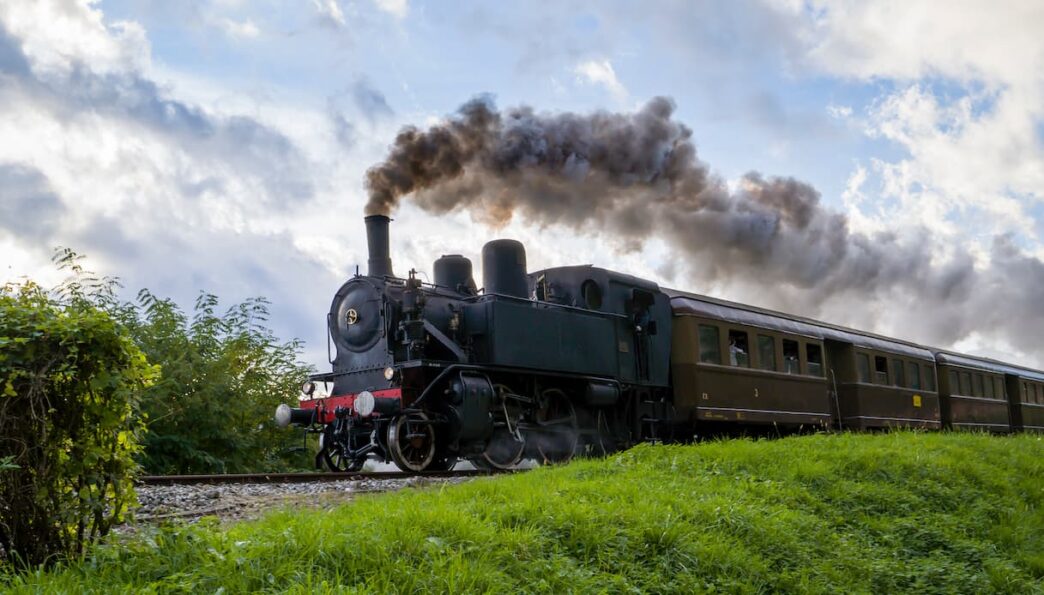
point(966, 389)
point(955, 387)
point(998, 386)
point(1025, 398)
point(929, 377)
point(814, 353)
point(767, 353)
point(915, 376)
point(880, 369)
point(988, 386)
point(739, 349)
point(791, 363)
point(977, 385)
point(863, 365)
point(710, 345)
point(900, 377)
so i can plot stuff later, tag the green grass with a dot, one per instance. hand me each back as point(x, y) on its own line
point(827, 513)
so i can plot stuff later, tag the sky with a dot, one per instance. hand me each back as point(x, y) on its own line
point(223, 145)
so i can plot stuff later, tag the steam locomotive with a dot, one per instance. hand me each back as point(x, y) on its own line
point(583, 360)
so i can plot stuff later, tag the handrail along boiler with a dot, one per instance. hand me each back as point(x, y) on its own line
point(580, 359)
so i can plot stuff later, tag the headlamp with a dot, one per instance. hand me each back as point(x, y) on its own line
point(364, 403)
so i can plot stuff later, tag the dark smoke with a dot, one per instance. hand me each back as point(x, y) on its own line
point(637, 176)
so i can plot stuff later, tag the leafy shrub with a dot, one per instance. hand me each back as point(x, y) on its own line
point(71, 380)
point(222, 378)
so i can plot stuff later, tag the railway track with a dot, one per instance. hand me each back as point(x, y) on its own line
point(231, 478)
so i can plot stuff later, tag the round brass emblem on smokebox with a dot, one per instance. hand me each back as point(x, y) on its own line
point(352, 316)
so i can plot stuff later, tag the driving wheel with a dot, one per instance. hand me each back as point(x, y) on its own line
point(556, 432)
point(411, 442)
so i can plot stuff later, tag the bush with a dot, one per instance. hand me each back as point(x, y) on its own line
point(222, 378)
point(71, 379)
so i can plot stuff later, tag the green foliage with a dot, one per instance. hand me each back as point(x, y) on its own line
point(70, 383)
point(222, 378)
point(903, 512)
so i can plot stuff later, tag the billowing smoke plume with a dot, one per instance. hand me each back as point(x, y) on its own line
point(637, 176)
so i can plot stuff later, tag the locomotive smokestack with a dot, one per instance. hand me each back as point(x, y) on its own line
point(377, 241)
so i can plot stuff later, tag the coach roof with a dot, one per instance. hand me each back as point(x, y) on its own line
point(690, 304)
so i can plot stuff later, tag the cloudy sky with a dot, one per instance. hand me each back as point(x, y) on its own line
point(223, 144)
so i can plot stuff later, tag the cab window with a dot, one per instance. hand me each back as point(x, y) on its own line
point(739, 349)
point(814, 355)
point(915, 376)
point(863, 367)
point(767, 353)
point(710, 346)
point(791, 361)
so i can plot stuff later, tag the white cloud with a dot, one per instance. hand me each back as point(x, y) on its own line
point(841, 112)
point(239, 29)
point(330, 11)
point(966, 106)
point(55, 35)
point(397, 8)
point(600, 72)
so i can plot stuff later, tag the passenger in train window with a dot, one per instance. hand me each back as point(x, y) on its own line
point(738, 349)
point(791, 358)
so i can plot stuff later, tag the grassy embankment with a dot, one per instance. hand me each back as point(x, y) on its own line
point(826, 513)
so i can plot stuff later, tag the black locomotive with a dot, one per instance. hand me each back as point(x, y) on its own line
point(580, 360)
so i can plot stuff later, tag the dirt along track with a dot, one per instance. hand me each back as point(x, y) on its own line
point(230, 497)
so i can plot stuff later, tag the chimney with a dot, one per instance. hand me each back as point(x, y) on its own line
point(377, 241)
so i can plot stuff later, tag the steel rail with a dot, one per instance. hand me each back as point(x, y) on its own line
point(299, 477)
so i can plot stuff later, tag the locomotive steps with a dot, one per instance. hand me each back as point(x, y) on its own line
point(900, 512)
